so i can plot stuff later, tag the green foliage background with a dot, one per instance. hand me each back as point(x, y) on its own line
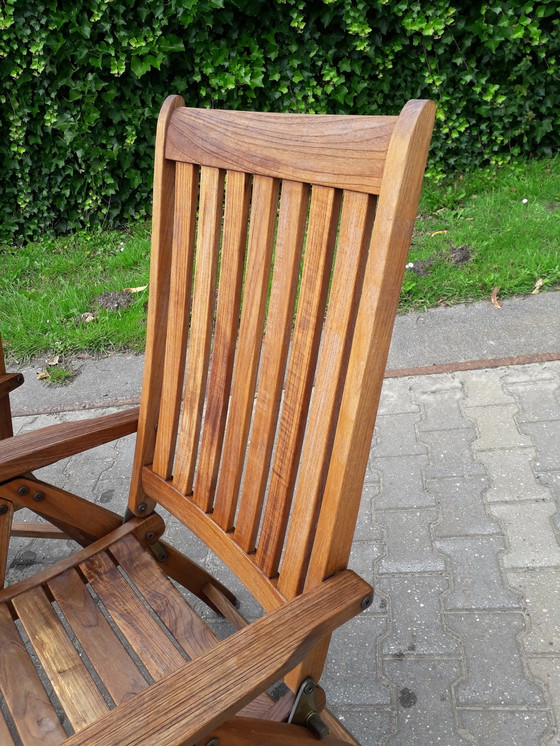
point(81, 85)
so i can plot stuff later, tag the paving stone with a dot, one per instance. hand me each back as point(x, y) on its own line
point(547, 671)
point(417, 624)
point(367, 724)
point(530, 534)
point(350, 675)
point(409, 546)
point(541, 593)
point(362, 557)
point(396, 435)
point(538, 400)
point(396, 397)
point(24, 424)
point(451, 454)
point(497, 428)
point(476, 574)
point(461, 505)
point(484, 388)
point(512, 475)
point(441, 408)
point(550, 479)
point(494, 665)
point(424, 702)
point(401, 483)
point(532, 372)
point(545, 436)
point(365, 522)
point(501, 727)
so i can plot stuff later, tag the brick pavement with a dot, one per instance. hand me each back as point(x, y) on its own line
point(459, 531)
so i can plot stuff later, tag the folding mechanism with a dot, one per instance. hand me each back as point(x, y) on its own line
point(278, 249)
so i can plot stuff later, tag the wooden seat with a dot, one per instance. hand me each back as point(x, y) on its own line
point(278, 248)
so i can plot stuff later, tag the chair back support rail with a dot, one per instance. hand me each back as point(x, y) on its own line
point(278, 250)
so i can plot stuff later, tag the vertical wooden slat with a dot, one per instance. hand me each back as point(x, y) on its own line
point(32, 712)
point(204, 294)
point(261, 231)
point(69, 677)
point(6, 429)
point(355, 224)
point(147, 639)
point(317, 266)
point(5, 735)
point(186, 198)
point(289, 238)
point(237, 195)
point(5, 526)
point(162, 237)
point(115, 667)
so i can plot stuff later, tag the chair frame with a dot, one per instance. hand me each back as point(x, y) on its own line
point(379, 194)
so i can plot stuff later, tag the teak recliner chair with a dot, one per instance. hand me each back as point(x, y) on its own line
point(278, 249)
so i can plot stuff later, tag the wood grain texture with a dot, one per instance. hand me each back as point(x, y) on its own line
point(236, 215)
point(139, 526)
point(6, 429)
point(113, 664)
point(341, 151)
point(192, 634)
point(83, 520)
point(37, 530)
point(5, 533)
point(9, 382)
point(33, 450)
point(353, 236)
point(173, 711)
point(158, 303)
point(204, 296)
point(317, 267)
point(288, 248)
point(32, 712)
point(146, 638)
point(264, 208)
point(5, 735)
point(72, 682)
point(241, 731)
point(186, 201)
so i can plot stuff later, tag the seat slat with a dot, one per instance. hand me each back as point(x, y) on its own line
point(261, 232)
point(227, 321)
point(115, 667)
point(5, 735)
point(204, 294)
point(72, 682)
point(317, 266)
point(147, 639)
point(32, 712)
point(355, 228)
point(194, 636)
point(186, 200)
point(289, 238)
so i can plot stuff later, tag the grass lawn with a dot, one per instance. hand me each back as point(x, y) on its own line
point(495, 228)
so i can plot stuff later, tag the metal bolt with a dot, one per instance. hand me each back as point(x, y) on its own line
point(3, 509)
point(142, 508)
point(150, 535)
point(23, 490)
point(213, 742)
point(366, 602)
point(38, 496)
point(309, 688)
point(19, 379)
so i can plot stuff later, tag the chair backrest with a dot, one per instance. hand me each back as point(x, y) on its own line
point(278, 249)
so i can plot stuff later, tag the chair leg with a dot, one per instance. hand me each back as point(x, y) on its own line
point(6, 515)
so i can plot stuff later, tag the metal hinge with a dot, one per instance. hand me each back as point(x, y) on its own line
point(306, 710)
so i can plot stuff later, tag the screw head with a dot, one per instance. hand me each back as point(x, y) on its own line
point(38, 496)
point(367, 602)
point(150, 535)
point(309, 688)
point(142, 508)
point(3, 509)
point(23, 490)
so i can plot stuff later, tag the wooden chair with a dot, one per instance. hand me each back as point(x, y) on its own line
point(278, 249)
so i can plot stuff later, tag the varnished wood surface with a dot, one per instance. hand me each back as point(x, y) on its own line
point(33, 450)
point(341, 151)
point(252, 732)
point(8, 381)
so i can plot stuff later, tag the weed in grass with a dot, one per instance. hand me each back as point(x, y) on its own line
point(59, 375)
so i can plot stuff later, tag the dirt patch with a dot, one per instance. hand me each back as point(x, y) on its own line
point(422, 267)
point(113, 301)
point(460, 255)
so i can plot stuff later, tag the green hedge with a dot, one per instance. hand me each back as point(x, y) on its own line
point(81, 85)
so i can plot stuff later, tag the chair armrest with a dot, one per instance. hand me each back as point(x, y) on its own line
point(9, 382)
point(186, 705)
point(22, 453)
